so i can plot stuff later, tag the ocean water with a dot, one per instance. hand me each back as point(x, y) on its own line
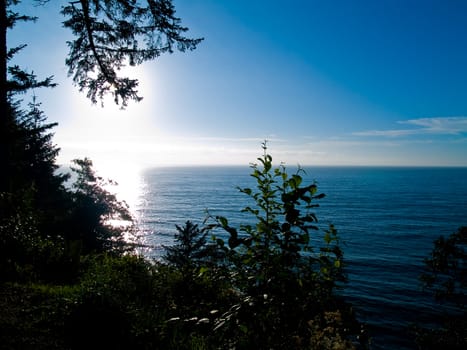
point(387, 218)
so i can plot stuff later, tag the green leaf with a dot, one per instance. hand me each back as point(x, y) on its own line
point(203, 270)
point(247, 191)
point(327, 237)
point(296, 180)
point(243, 329)
point(223, 221)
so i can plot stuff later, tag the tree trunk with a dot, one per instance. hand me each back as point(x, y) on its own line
point(3, 58)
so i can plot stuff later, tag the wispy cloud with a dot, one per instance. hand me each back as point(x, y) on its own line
point(256, 140)
point(386, 133)
point(441, 125)
point(438, 125)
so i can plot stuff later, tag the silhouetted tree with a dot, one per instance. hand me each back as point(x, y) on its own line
point(192, 250)
point(35, 207)
point(34, 168)
point(446, 277)
point(93, 208)
point(109, 34)
point(13, 81)
point(446, 271)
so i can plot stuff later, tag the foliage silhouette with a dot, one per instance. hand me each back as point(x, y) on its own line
point(199, 284)
point(111, 34)
point(191, 251)
point(285, 282)
point(446, 278)
point(38, 215)
point(108, 36)
point(278, 289)
point(34, 208)
point(446, 272)
point(198, 297)
point(92, 209)
point(13, 81)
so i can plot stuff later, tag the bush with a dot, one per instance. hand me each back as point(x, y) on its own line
point(283, 280)
point(115, 296)
point(269, 285)
point(446, 278)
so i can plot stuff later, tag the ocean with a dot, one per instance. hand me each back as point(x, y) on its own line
point(387, 218)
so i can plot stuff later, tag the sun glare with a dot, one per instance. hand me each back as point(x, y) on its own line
point(110, 136)
point(129, 185)
point(94, 128)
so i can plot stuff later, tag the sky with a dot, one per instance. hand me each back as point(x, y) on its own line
point(358, 82)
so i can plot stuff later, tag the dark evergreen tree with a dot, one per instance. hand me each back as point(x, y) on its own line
point(93, 209)
point(13, 81)
point(191, 250)
point(33, 166)
point(35, 207)
point(111, 34)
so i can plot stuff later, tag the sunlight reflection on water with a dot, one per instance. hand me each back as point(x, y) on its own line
point(129, 185)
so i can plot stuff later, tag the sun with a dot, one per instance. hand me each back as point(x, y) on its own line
point(95, 129)
point(113, 138)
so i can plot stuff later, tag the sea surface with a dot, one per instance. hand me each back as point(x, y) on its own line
point(387, 217)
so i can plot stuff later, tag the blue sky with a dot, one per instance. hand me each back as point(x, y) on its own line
point(326, 82)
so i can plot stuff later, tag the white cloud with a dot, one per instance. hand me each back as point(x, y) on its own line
point(438, 125)
point(386, 133)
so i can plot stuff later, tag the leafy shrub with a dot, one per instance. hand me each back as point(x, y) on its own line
point(26, 253)
point(113, 292)
point(199, 288)
point(446, 273)
point(270, 285)
point(446, 278)
point(283, 279)
point(33, 315)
